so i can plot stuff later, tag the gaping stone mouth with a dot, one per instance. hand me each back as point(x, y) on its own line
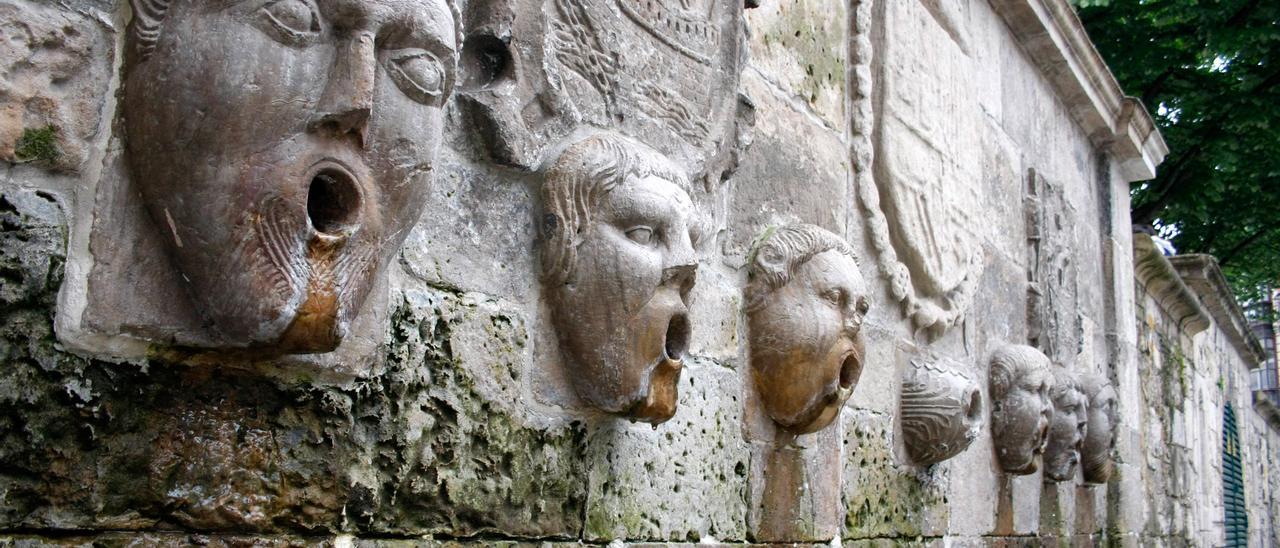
point(676, 341)
point(333, 201)
point(850, 370)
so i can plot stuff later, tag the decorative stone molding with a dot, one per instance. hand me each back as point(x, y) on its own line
point(940, 409)
point(1202, 274)
point(1056, 41)
point(1163, 283)
point(805, 302)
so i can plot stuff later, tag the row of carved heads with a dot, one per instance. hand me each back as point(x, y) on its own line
point(1040, 412)
point(285, 175)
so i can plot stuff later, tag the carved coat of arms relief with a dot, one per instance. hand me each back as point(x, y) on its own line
point(661, 71)
point(924, 202)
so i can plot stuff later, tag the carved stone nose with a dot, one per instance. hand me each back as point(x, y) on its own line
point(347, 102)
point(681, 276)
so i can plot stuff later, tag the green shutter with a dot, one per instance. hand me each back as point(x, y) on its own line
point(1237, 519)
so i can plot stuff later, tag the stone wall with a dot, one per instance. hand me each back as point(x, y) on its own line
point(1193, 363)
point(975, 155)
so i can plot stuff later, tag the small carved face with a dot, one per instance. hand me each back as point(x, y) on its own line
point(941, 411)
point(1067, 428)
point(283, 148)
point(1095, 453)
point(1020, 407)
point(622, 316)
point(806, 343)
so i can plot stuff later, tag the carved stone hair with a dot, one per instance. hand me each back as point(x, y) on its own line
point(581, 177)
point(1064, 383)
point(1008, 364)
point(148, 18)
point(780, 251)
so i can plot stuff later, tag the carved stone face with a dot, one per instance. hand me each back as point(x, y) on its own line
point(1020, 407)
point(284, 148)
point(620, 304)
point(1067, 428)
point(1095, 453)
point(806, 342)
point(941, 410)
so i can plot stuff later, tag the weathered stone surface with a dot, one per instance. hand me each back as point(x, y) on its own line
point(797, 171)
point(801, 48)
point(219, 451)
point(883, 498)
point(683, 480)
point(56, 65)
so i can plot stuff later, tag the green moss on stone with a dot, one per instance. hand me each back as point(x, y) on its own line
point(38, 145)
point(884, 500)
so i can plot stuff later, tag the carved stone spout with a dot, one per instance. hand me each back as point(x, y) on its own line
point(805, 302)
point(284, 148)
point(941, 410)
point(1095, 453)
point(1067, 428)
point(1020, 407)
point(619, 229)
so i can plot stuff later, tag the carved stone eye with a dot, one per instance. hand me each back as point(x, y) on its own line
point(834, 296)
point(642, 235)
point(292, 22)
point(418, 74)
point(863, 306)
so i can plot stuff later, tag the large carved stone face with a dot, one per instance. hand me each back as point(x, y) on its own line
point(1020, 407)
point(620, 304)
point(1095, 452)
point(284, 148)
point(805, 333)
point(941, 410)
point(1067, 427)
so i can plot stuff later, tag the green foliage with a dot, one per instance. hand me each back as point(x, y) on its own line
point(1207, 69)
point(38, 145)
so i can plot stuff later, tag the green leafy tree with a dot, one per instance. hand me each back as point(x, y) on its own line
point(1208, 71)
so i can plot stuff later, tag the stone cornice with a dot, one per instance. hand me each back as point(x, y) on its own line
point(1055, 39)
point(1202, 274)
point(1165, 285)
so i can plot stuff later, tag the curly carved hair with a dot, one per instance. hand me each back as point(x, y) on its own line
point(576, 183)
point(779, 251)
point(1012, 362)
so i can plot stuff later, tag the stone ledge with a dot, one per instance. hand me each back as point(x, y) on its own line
point(1055, 39)
point(1202, 273)
point(1165, 285)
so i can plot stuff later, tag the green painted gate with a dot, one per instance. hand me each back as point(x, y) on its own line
point(1237, 519)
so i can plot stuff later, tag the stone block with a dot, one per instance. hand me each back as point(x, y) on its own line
point(802, 49)
point(685, 479)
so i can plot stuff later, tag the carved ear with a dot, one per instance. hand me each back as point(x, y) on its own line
point(148, 16)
